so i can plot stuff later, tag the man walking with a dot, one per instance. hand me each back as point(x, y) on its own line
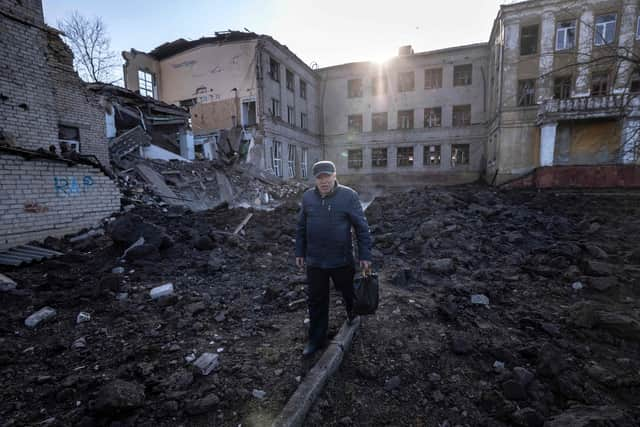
point(323, 244)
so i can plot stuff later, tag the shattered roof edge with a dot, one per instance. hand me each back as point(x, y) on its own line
point(425, 53)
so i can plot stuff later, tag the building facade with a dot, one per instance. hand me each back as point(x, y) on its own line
point(238, 80)
point(417, 118)
point(563, 84)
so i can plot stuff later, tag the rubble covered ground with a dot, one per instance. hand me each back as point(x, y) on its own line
point(498, 308)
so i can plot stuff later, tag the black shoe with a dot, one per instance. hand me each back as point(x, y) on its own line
point(309, 350)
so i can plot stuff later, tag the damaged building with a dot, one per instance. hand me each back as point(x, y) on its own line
point(419, 117)
point(54, 156)
point(246, 93)
point(563, 85)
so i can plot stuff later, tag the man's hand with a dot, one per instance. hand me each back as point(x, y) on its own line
point(300, 262)
point(365, 266)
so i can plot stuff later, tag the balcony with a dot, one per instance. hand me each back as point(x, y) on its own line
point(591, 107)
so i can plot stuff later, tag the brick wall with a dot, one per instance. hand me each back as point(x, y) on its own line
point(602, 176)
point(27, 108)
point(41, 198)
point(39, 89)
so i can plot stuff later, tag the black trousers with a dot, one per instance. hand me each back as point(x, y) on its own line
point(318, 297)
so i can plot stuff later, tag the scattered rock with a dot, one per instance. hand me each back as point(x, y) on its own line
point(513, 390)
point(392, 383)
point(203, 405)
point(161, 291)
point(596, 251)
point(117, 270)
point(6, 284)
point(82, 317)
point(588, 416)
point(439, 266)
point(597, 268)
point(207, 362)
point(39, 316)
point(461, 345)
point(204, 243)
point(479, 299)
point(523, 376)
point(119, 396)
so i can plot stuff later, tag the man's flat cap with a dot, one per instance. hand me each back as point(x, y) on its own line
point(324, 166)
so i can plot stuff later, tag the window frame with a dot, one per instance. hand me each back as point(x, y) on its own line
point(355, 163)
point(536, 46)
point(526, 99)
point(453, 115)
point(565, 31)
point(304, 123)
point(559, 82)
point(292, 153)
point(408, 114)
point(426, 158)
point(460, 71)
point(143, 83)
point(607, 82)
point(353, 90)
point(428, 77)
point(290, 80)
point(303, 89)
point(597, 34)
point(408, 160)
point(402, 81)
point(276, 158)
point(379, 82)
point(431, 110)
point(304, 163)
point(276, 103)
point(73, 144)
point(375, 128)
point(376, 161)
point(291, 115)
point(274, 69)
point(351, 118)
point(467, 161)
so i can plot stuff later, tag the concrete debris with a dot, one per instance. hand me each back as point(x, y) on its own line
point(79, 344)
point(576, 286)
point(117, 270)
point(40, 316)
point(84, 236)
point(82, 317)
point(6, 284)
point(207, 363)
point(259, 394)
point(161, 291)
point(479, 299)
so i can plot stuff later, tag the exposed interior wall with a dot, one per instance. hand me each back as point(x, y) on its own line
point(135, 61)
point(42, 198)
point(214, 115)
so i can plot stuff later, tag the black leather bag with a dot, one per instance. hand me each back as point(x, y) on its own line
point(366, 297)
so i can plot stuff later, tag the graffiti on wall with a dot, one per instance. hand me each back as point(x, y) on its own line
point(70, 186)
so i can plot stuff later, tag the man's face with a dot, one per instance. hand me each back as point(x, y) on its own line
point(325, 183)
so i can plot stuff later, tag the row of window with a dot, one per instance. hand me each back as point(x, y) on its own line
point(600, 86)
point(291, 114)
point(566, 34)
point(274, 72)
point(432, 118)
point(462, 76)
point(292, 159)
point(405, 158)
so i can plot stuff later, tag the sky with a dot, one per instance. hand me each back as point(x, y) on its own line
point(325, 32)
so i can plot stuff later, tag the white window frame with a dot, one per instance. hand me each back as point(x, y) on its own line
point(303, 120)
point(291, 161)
point(600, 38)
point(304, 163)
point(146, 84)
point(276, 158)
point(564, 31)
point(638, 28)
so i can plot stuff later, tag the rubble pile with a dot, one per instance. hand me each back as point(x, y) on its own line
point(180, 317)
point(498, 309)
point(201, 184)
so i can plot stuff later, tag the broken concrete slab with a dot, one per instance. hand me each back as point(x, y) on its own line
point(161, 291)
point(207, 363)
point(226, 190)
point(6, 284)
point(158, 184)
point(40, 316)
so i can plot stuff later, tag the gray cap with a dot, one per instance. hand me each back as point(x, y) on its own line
point(324, 166)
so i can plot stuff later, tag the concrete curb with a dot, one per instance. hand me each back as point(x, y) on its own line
point(296, 409)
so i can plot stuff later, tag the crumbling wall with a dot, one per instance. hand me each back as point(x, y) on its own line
point(27, 108)
point(587, 143)
point(75, 105)
point(213, 115)
point(43, 198)
point(135, 61)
